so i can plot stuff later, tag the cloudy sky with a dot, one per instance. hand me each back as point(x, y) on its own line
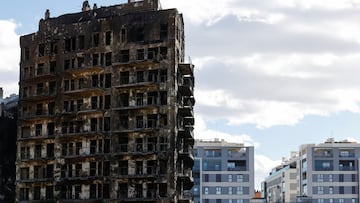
point(273, 74)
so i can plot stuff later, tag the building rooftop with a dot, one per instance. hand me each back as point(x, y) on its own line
point(89, 13)
point(217, 143)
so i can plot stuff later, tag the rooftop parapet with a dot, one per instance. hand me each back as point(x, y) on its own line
point(87, 13)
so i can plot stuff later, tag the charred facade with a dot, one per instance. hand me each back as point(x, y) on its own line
point(106, 107)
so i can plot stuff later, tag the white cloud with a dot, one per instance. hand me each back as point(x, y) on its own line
point(263, 166)
point(202, 132)
point(10, 57)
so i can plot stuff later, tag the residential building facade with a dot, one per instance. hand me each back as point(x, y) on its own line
point(106, 107)
point(282, 183)
point(223, 172)
point(329, 172)
point(325, 173)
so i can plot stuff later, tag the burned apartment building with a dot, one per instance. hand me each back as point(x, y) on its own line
point(106, 107)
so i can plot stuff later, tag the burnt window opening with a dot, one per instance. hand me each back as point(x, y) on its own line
point(139, 35)
point(151, 190)
point(163, 144)
point(163, 98)
point(108, 59)
point(108, 80)
point(163, 53)
point(93, 147)
point(123, 35)
point(151, 166)
point(81, 42)
point(67, 45)
point(53, 48)
point(51, 108)
point(78, 168)
point(153, 53)
point(26, 54)
point(72, 65)
point(163, 190)
point(24, 173)
point(124, 56)
point(49, 192)
point(52, 66)
point(124, 100)
point(94, 124)
point(79, 105)
point(163, 120)
point(151, 144)
point(108, 35)
point(77, 191)
point(73, 43)
point(24, 194)
point(96, 40)
point(52, 87)
point(123, 143)
point(151, 98)
point(101, 81)
point(139, 122)
point(81, 83)
point(153, 76)
point(38, 172)
point(139, 167)
point(163, 31)
point(49, 171)
point(94, 102)
point(39, 109)
point(95, 81)
point(79, 127)
point(140, 76)
point(123, 190)
point(124, 77)
point(66, 85)
point(107, 102)
point(102, 58)
point(93, 191)
point(163, 75)
point(25, 152)
point(25, 132)
point(139, 99)
point(51, 129)
point(72, 85)
point(66, 64)
point(106, 167)
point(106, 123)
point(66, 106)
point(139, 145)
point(40, 69)
point(37, 151)
point(95, 59)
point(38, 129)
point(41, 50)
point(151, 120)
point(78, 148)
point(123, 167)
point(140, 54)
point(107, 145)
point(50, 150)
point(64, 149)
point(81, 62)
point(123, 122)
point(37, 192)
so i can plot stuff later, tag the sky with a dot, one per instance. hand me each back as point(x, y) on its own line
point(272, 74)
